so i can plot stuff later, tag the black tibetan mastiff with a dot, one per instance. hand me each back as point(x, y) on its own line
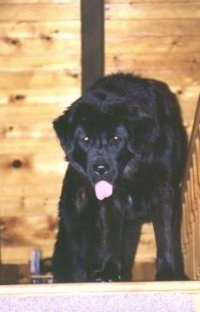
point(126, 148)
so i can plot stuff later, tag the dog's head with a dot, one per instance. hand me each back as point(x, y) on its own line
point(103, 132)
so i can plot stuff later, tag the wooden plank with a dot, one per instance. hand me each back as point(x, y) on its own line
point(56, 96)
point(153, 10)
point(188, 112)
point(143, 271)
point(21, 254)
point(92, 40)
point(28, 230)
point(38, 80)
point(35, 163)
point(31, 47)
point(154, 28)
point(180, 77)
point(12, 274)
point(191, 191)
point(27, 146)
point(39, 12)
point(54, 101)
point(71, 64)
point(17, 206)
point(33, 79)
point(46, 30)
point(26, 128)
point(170, 2)
point(28, 113)
point(153, 60)
point(71, 2)
point(127, 45)
point(15, 176)
point(59, 79)
point(128, 28)
point(120, 45)
point(68, 63)
point(146, 251)
point(29, 190)
point(33, 168)
point(140, 36)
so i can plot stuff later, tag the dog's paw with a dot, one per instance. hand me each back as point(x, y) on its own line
point(110, 273)
point(165, 272)
point(103, 278)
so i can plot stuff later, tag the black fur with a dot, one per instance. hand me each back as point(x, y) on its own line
point(125, 130)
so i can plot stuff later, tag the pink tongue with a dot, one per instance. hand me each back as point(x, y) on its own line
point(103, 189)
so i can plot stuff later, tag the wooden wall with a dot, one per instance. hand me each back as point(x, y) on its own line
point(40, 75)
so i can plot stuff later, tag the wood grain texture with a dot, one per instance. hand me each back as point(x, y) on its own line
point(191, 203)
point(140, 10)
point(39, 11)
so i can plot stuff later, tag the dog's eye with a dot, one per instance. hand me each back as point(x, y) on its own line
point(86, 139)
point(116, 138)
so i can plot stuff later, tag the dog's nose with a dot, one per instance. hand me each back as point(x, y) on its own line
point(101, 169)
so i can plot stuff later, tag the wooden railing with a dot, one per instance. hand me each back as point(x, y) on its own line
point(191, 204)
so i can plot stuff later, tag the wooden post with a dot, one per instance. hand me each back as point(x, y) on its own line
point(92, 39)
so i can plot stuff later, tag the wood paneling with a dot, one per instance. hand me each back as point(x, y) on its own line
point(153, 27)
point(39, 77)
point(39, 11)
point(40, 38)
point(140, 10)
point(39, 80)
point(170, 44)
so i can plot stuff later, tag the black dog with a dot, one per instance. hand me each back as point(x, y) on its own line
point(126, 147)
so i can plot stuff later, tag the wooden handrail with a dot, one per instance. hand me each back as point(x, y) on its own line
point(194, 135)
point(191, 204)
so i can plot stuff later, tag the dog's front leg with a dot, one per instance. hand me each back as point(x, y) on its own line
point(162, 211)
point(111, 226)
point(69, 256)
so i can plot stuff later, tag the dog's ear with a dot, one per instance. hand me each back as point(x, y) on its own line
point(143, 130)
point(143, 133)
point(63, 128)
